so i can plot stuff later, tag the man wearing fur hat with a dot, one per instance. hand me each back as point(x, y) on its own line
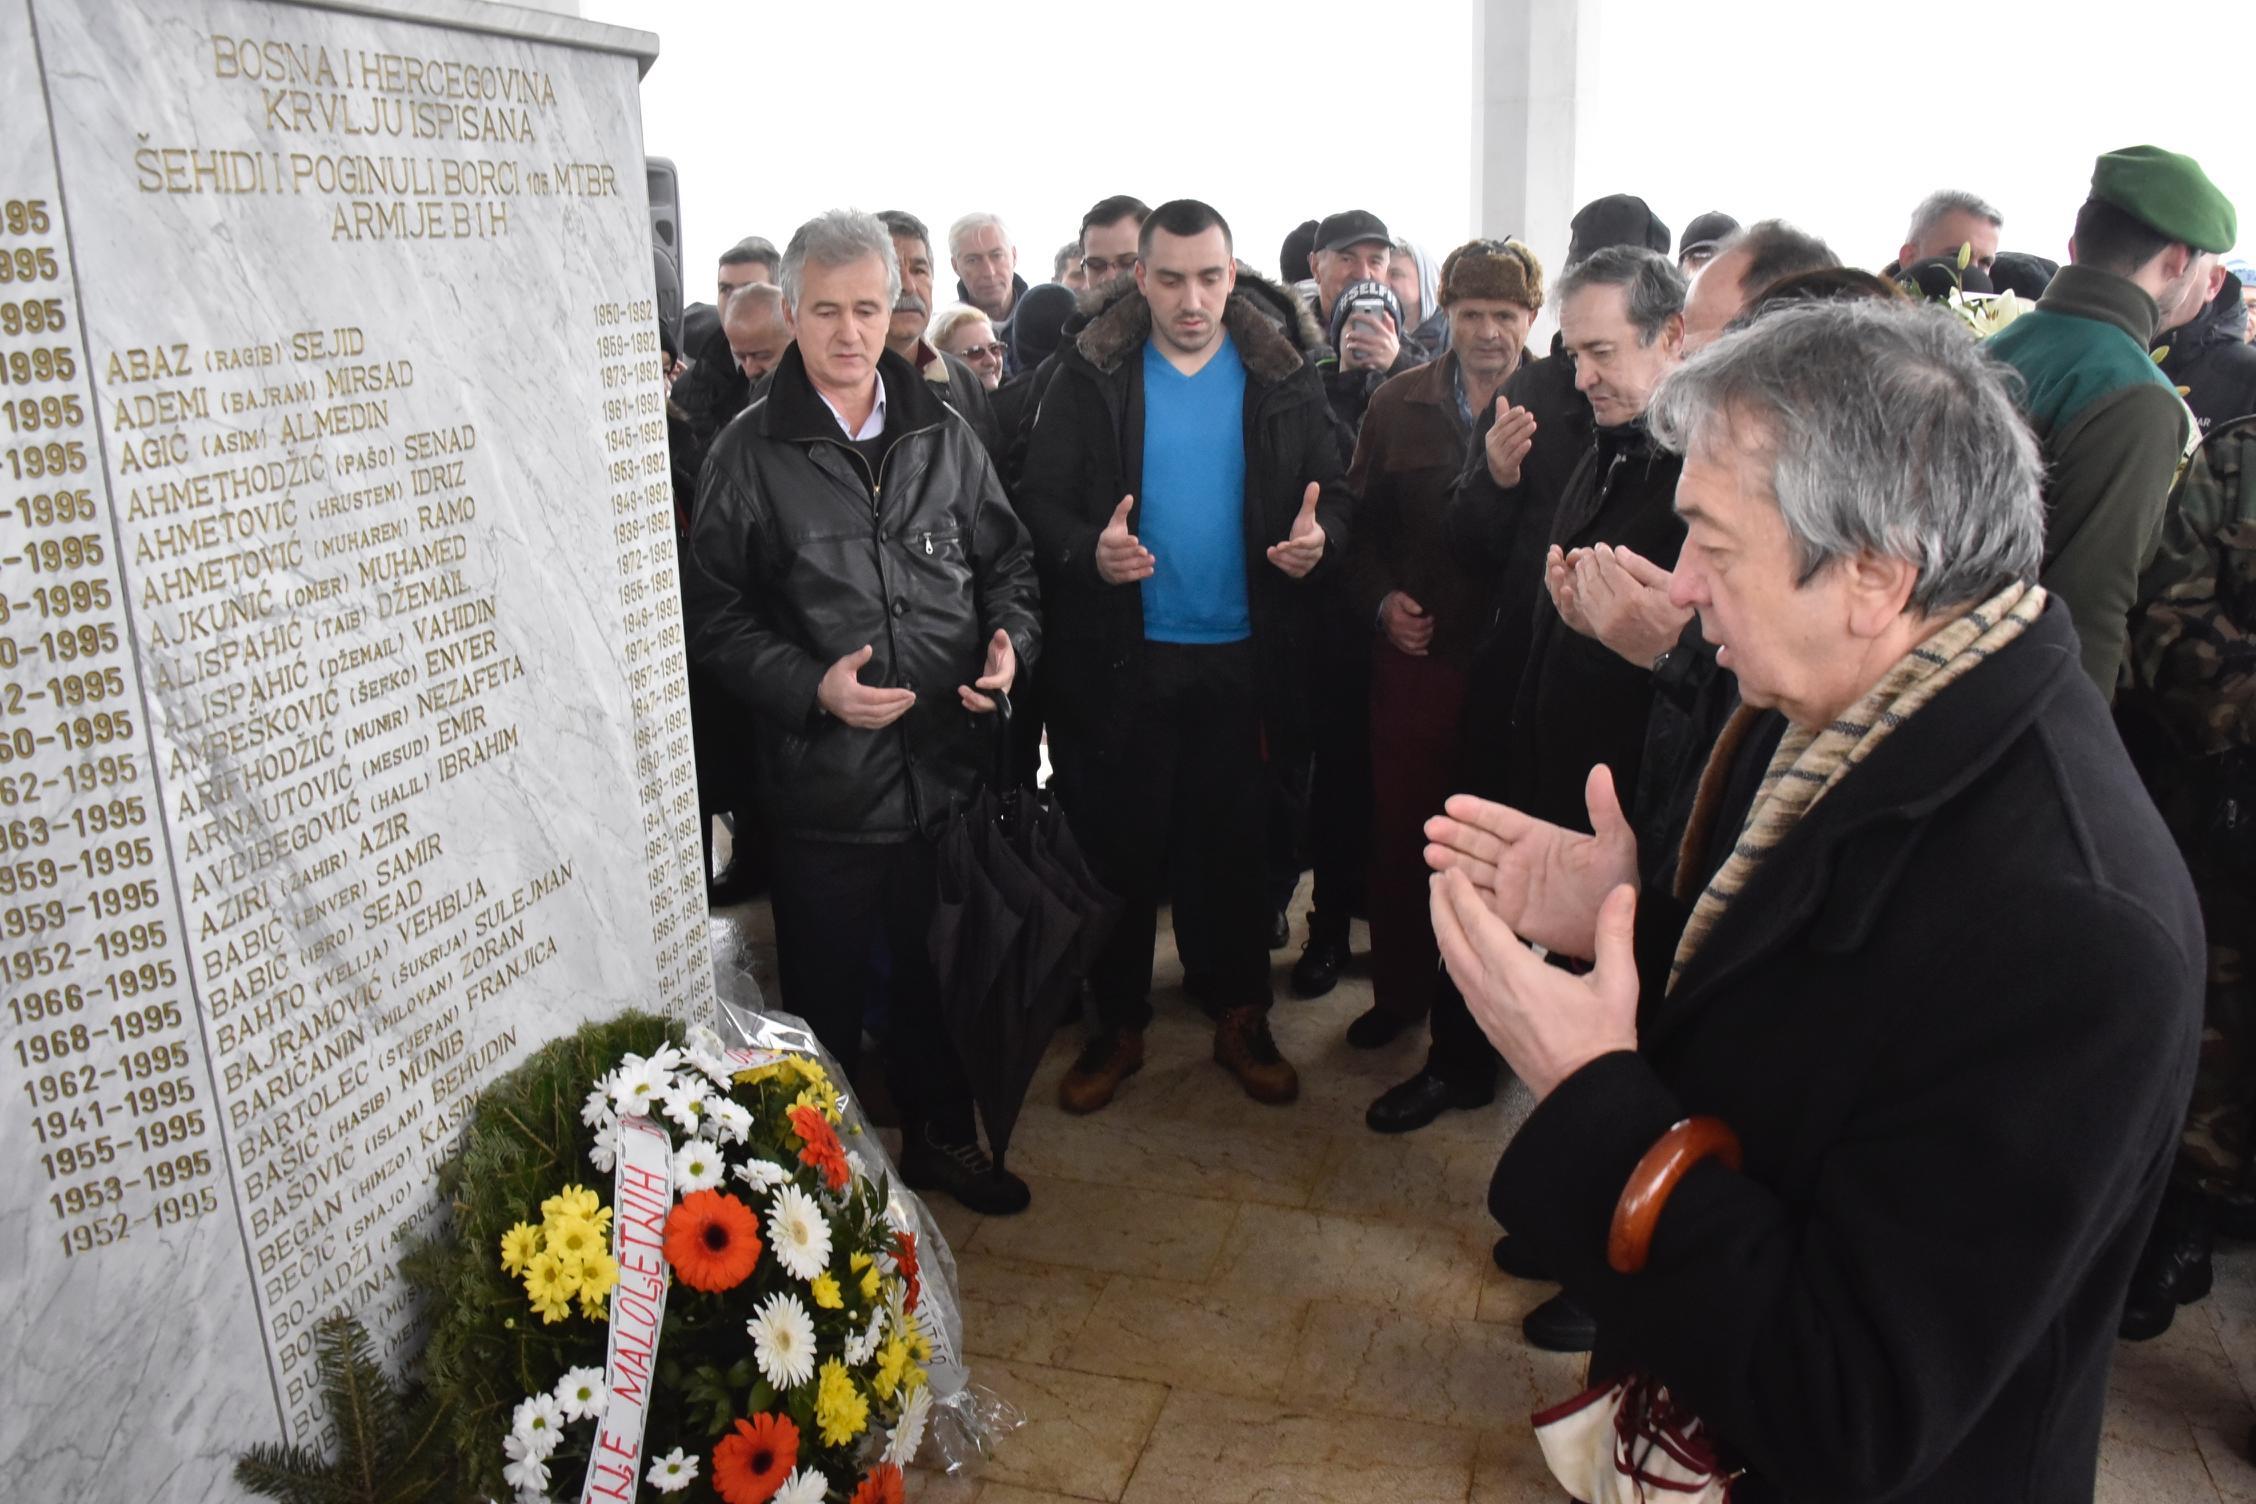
point(1425, 603)
point(1184, 490)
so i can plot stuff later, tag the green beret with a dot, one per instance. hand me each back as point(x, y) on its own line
point(2168, 192)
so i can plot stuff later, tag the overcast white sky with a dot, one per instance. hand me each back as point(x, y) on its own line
point(1839, 118)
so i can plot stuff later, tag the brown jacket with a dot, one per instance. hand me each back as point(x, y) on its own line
point(1406, 465)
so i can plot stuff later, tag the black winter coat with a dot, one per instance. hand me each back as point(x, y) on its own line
point(1952, 1018)
point(1503, 534)
point(2211, 358)
point(1087, 451)
point(1579, 702)
point(799, 556)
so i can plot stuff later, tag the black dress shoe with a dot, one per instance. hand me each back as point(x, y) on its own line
point(1519, 1261)
point(1561, 1326)
point(2174, 1268)
point(1280, 929)
point(1318, 970)
point(965, 1172)
point(1419, 1100)
point(1376, 1029)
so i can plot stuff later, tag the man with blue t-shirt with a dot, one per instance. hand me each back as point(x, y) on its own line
point(1183, 484)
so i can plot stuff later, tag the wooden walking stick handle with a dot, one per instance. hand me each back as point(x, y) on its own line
point(1638, 1213)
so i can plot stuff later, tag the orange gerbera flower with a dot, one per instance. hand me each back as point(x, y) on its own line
point(823, 1150)
point(882, 1486)
point(905, 1255)
point(713, 1241)
point(751, 1464)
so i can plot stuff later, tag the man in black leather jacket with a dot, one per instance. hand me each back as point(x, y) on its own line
point(856, 578)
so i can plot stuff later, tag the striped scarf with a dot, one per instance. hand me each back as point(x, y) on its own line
point(1808, 763)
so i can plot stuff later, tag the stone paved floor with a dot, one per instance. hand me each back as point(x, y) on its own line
point(1214, 1302)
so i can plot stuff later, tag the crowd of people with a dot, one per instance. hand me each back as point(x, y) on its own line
point(1775, 702)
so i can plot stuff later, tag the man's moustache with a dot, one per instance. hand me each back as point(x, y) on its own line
point(909, 302)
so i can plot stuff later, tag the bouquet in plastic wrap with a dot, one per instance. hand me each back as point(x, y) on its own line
point(680, 1269)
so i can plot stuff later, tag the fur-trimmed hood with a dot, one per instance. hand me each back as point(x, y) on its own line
point(1274, 332)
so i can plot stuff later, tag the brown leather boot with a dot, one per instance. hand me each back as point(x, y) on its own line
point(1244, 1047)
point(1111, 1058)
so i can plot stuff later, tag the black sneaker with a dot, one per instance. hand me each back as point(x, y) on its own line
point(1280, 929)
point(965, 1172)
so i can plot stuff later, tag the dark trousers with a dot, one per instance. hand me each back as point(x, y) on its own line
point(1416, 704)
point(1339, 793)
point(841, 907)
point(1179, 813)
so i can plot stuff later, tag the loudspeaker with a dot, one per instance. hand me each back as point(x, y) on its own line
point(665, 206)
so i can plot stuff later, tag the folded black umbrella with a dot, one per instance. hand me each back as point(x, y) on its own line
point(1018, 921)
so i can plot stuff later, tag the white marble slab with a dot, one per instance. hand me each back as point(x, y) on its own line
point(384, 674)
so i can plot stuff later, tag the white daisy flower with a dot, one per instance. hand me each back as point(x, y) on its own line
point(783, 1341)
point(673, 1472)
point(697, 1166)
point(804, 1486)
point(686, 1103)
point(667, 1058)
point(596, 1113)
point(636, 1086)
point(908, 1431)
point(528, 1475)
point(798, 1233)
point(539, 1422)
point(604, 1152)
point(708, 1054)
point(762, 1174)
point(580, 1393)
point(861, 1349)
point(854, 1163)
point(733, 1120)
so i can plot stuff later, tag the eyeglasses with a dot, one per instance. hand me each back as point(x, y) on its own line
point(1097, 267)
point(994, 351)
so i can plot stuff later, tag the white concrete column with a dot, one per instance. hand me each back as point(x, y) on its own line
point(1526, 62)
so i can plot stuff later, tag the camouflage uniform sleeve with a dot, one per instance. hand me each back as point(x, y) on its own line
point(2193, 641)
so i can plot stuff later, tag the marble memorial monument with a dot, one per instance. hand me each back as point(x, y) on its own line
point(345, 758)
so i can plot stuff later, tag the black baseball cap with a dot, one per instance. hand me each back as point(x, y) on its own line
point(1704, 233)
point(1351, 227)
point(1617, 219)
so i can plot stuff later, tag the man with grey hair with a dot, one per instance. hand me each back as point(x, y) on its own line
point(1945, 222)
point(985, 259)
point(1921, 879)
point(754, 325)
point(957, 383)
point(856, 579)
point(1747, 264)
point(1578, 705)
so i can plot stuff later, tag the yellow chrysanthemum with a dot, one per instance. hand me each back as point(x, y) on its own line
point(549, 1280)
point(892, 1363)
point(840, 1410)
point(790, 1068)
point(593, 1306)
point(823, 1097)
point(551, 1311)
point(518, 1245)
point(572, 1201)
point(574, 1240)
point(866, 1266)
point(598, 1274)
point(825, 1289)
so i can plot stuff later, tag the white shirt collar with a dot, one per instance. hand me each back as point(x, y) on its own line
point(872, 427)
